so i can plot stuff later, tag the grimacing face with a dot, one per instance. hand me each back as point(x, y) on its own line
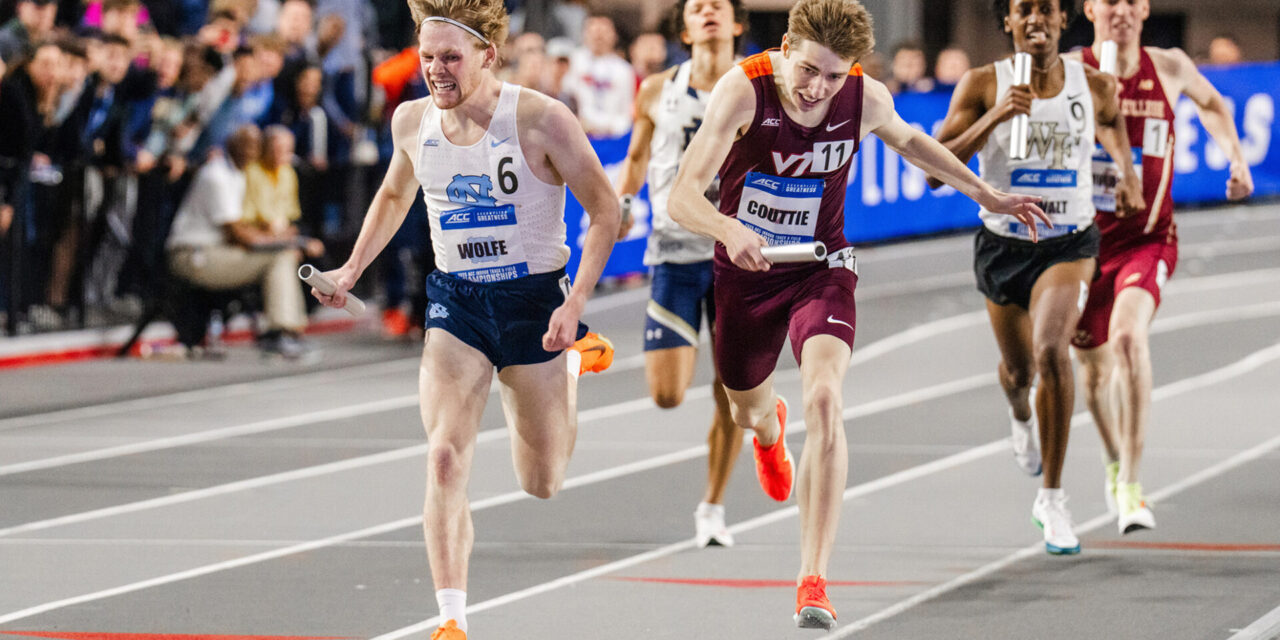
point(1036, 25)
point(709, 20)
point(451, 64)
point(814, 73)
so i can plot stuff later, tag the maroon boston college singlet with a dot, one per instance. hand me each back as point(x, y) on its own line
point(785, 181)
point(1149, 116)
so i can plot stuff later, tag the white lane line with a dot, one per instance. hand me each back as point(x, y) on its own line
point(1246, 365)
point(912, 397)
point(1265, 628)
point(1250, 363)
point(874, 350)
point(213, 393)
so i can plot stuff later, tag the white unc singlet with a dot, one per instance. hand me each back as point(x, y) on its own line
point(1059, 161)
point(491, 218)
point(676, 116)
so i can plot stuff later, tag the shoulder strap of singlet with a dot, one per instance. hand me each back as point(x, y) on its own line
point(1087, 57)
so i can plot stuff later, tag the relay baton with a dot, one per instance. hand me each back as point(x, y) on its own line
point(1021, 122)
point(1107, 61)
point(802, 252)
point(313, 277)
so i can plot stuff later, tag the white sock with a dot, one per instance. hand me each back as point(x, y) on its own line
point(708, 509)
point(574, 361)
point(453, 606)
point(1050, 494)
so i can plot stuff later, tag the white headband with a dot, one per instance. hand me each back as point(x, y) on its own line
point(460, 26)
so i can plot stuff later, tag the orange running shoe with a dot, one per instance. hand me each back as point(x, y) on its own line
point(395, 322)
point(596, 351)
point(449, 631)
point(813, 610)
point(774, 466)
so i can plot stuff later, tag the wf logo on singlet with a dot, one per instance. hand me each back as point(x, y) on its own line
point(1045, 141)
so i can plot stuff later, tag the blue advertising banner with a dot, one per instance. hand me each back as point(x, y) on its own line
point(888, 198)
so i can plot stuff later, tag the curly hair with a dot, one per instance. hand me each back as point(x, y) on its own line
point(1001, 8)
point(673, 24)
point(843, 26)
point(489, 17)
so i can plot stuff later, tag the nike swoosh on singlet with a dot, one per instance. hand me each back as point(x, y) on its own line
point(497, 143)
point(832, 320)
point(1069, 98)
point(834, 127)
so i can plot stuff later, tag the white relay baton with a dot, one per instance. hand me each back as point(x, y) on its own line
point(802, 252)
point(1022, 122)
point(1107, 59)
point(313, 277)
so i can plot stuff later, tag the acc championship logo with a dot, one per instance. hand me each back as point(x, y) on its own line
point(457, 218)
point(766, 183)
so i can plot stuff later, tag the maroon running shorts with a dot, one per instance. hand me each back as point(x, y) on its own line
point(1147, 265)
point(757, 311)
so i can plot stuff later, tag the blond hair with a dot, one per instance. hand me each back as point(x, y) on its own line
point(843, 26)
point(489, 17)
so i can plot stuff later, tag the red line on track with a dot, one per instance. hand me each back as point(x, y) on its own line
point(761, 584)
point(95, 635)
point(1184, 546)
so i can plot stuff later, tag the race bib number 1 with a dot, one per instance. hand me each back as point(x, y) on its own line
point(1155, 137)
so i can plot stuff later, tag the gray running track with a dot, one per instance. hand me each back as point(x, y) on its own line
point(264, 499)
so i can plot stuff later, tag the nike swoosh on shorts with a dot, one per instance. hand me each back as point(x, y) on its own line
point(832, 320)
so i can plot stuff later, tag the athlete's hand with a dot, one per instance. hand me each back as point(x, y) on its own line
point(1016, 101)
point(1240, 184)
point(1129, 200)
point(628, 220)
point(743, 246)
point(1025, 208)
point(562, 330)
point(343, 279)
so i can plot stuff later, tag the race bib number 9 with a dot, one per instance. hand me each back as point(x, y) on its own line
point(782, 210)
point(1106, 174)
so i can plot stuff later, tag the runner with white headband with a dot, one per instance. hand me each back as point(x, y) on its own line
point(482, 151)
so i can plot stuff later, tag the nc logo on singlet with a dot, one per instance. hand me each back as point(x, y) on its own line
point(471, 190)
point(1045, 141)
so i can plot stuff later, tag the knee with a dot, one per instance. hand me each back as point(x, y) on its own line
point(1094, 375)
point(823, 406)
point(445, 465)
point(540, 484)
point(1129, 346)
point(1019, 375)
point(667, 398)
point(1053, 360)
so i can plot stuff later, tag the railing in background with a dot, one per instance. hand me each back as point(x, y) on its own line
point(888, 198)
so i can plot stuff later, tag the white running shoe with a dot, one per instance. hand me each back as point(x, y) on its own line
point(1134, 514)
point(1026, 448)
point(1113, 471)
point(708, 520)
point(1049, 512)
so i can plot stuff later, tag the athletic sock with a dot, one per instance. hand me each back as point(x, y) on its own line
point(453, 606)
point(574, 361)
point(1049, 494)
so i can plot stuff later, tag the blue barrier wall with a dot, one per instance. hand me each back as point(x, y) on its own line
point(888, 198)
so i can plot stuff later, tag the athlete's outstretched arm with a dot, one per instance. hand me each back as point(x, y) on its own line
point(576, 162)
point(387, 210)
point(919, 149)
point(1113, 135)
point(969, 122)
point(1214, 115)
point(632, 175)
point(729, 113)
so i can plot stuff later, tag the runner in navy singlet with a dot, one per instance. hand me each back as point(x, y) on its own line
point(1138, 252)
point(781, 129)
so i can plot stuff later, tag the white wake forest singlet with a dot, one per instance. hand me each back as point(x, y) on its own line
point(676, 117)
point(491, 219)
point(1059, 161)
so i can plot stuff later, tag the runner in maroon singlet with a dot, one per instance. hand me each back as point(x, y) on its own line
point(782, 128)
point(1138, 253)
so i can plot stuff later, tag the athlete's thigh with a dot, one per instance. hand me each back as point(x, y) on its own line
point(824, 306)
point(1058, 297)
point(1134, 310)
point(669, 371)
point(535, 400)
point(824, 359)
point(453, 386)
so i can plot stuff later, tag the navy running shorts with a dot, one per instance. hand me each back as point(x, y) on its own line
point(681, 298)
point(505, 321)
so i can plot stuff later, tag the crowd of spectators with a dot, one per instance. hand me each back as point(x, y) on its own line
point(219, 142)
